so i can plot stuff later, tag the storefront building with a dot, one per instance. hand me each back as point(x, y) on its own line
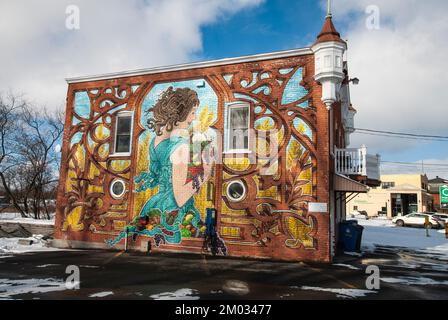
point(398, 195)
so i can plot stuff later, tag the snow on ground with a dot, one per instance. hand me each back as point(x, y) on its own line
point(422, 281)
point(10, 288)
point(11, 245)
point(341, 293)
point(89, 267)
point(382, 232)
point(346, 266)
point(48, 265)
point(101, 294)
point(181, 294)
point(15, 217)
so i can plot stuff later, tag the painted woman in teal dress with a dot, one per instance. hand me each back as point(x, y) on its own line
point(171, 213)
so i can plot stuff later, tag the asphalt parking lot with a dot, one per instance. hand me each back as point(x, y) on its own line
point(119, 275)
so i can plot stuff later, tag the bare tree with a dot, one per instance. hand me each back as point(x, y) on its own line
point(29, 173)
point(10, 109)
point(36, 150)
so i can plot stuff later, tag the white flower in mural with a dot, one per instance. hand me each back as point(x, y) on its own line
point(199, 137)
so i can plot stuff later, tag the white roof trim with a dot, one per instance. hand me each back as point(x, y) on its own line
point(194, 65)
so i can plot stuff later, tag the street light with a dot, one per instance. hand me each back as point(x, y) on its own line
point(355, 81)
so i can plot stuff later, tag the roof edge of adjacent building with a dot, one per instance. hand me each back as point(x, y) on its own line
point(193, 65)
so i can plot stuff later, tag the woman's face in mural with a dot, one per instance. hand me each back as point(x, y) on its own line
point(190, 118)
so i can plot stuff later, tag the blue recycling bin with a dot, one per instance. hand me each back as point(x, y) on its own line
point(350, 235)
point(210, 222)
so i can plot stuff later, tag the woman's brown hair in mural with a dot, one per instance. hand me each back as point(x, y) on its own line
point(171, 212)
point(173, 107)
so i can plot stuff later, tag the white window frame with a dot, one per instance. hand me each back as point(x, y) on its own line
point(123, 114)
point(121, 195)
point(228, 149)
point(244, 190)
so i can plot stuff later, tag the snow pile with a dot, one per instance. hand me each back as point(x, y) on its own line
point(381, 232)
point(422, 281)
point(15, 217)
point(376, 222)
point(181, 294)
point(101, 294)
point(342, 293)
point(349, 266)
point(11, 245)
point(9, 288)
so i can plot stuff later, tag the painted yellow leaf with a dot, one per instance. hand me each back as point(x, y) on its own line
point(120, 165)
point(266, 125)
point(103, 150)
point(294, 152)
point(300, 233)
point(72, 220)
point(301, 128)
point(70, 175)
point(205, 120)
point(80, 156)
point(102, 132)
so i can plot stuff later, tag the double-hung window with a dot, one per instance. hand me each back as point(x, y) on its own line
point(123, 133)
point(238, 128)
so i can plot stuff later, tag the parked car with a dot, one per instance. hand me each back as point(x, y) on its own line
point(359, 213)
point(441, 216)
point(418, 220)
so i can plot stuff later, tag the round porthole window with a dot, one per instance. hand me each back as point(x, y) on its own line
point(236, 190)
point(117, 188)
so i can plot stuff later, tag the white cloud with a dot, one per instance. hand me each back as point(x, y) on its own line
point(38, 51)
point(402, 67)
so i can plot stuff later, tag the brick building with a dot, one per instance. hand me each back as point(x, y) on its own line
point(266, 140)
point(434, 185)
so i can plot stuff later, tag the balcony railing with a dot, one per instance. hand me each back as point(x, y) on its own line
point(357, 162)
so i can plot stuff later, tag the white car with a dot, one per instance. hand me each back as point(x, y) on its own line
point(441, 216)
point(417, 220)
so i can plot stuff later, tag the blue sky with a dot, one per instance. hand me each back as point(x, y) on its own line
point(402, 64)
point(273, 26)
point(283, 24)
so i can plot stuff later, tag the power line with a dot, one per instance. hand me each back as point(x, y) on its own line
point(401, 137)
point(416, 163)
point(402, 133)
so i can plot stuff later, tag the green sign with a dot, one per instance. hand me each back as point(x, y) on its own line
point(444, 196)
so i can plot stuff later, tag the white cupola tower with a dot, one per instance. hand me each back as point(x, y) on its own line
point(328, 54)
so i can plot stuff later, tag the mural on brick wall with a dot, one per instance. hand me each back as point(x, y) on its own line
point(168, 203)
point(171, 191)
point(281, 184)
point(90, 170)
